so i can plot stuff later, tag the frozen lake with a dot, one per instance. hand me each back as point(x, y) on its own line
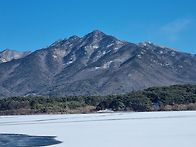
point(146, 129)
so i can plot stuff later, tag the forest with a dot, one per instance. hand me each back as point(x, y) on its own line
point(171, 98)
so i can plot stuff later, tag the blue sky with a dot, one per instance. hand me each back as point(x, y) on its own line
point(34, 24)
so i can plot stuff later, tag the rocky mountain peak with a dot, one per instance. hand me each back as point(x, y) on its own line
point(97, 32)
point(94, 36)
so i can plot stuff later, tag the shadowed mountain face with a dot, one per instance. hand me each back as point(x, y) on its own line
point(96, 64)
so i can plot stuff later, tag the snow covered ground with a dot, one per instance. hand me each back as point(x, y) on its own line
point(146, 129)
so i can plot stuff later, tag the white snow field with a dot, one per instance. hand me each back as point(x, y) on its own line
point(146, 129)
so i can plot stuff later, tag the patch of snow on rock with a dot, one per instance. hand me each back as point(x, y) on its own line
point(107, 64)
point(110, 45)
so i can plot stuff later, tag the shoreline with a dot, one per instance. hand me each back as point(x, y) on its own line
point(115, 112)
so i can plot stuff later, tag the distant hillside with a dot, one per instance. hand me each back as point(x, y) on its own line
point(8, 55)
point(95, 64)
point(177, 97)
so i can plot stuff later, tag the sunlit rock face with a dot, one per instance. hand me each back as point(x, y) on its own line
point(95, 64)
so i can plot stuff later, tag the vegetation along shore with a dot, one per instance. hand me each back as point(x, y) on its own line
point(176, 97)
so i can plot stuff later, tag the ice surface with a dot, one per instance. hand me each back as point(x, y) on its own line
point(146, 129)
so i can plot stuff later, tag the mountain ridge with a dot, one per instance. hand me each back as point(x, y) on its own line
point(95, 64)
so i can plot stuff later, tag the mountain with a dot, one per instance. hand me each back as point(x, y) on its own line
point(95, 64)
point(8, 55)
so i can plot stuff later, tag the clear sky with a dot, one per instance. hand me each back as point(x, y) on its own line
point(34, 24)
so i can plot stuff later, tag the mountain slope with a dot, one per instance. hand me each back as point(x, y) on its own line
point(96, 64)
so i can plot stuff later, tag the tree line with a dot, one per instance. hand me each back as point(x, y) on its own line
point(176, 97)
